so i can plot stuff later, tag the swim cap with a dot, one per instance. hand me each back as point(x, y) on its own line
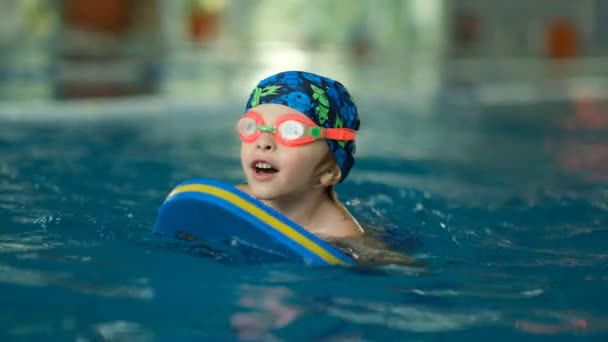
point(323, 100)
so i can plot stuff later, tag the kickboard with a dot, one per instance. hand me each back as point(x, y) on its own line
point(213, 211)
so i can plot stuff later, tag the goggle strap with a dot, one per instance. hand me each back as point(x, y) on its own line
point(339, 134)
point(332, 133)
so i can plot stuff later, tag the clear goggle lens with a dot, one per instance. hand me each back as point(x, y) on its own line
point(291, 130)
point(247, 126)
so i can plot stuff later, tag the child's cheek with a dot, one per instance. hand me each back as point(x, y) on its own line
point(298, 162)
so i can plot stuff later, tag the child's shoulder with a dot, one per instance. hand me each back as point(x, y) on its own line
point(338, 222)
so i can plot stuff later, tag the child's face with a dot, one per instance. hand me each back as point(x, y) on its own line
point(275, 171)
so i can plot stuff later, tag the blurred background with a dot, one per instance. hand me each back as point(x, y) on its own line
point(208, 49)
point(488, 77)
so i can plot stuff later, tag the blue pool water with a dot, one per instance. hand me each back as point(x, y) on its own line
point(506, 205)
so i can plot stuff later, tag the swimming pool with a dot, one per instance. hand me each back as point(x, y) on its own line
point(506, 205)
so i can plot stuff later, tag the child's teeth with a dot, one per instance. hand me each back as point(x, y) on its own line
point(263, 166)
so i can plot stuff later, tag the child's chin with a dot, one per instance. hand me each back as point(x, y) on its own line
point(264, 194)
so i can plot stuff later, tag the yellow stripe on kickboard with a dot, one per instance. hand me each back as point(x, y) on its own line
point(263, 216)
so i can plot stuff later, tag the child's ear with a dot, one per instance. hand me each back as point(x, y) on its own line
point(331, 176)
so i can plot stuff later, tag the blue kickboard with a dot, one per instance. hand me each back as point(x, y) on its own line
point(213, 211)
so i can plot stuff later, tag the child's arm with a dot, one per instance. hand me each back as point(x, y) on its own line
point(369, 250)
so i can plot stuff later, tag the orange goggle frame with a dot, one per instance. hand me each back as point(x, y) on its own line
point(289, 129)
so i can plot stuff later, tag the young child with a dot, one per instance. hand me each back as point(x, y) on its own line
point(298, 140)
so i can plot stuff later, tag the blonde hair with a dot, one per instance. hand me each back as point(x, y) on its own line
point(326, 162)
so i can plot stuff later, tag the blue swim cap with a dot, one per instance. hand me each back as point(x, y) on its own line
point(323, 100)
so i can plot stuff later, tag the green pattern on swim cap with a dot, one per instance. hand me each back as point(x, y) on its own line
point(319, 95)
point(322, 109)
point(323, 113)
point(261, 92)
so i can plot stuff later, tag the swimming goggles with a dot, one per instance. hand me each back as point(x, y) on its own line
point(289, 130)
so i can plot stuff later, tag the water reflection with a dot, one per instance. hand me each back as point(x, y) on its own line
point(481, 197)
point(26, 252)
point(37, 278)
point(584, 152)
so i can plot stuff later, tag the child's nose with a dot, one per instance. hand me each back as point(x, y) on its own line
point(266, 142)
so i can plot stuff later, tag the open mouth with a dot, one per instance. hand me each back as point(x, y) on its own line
point(264, 167)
